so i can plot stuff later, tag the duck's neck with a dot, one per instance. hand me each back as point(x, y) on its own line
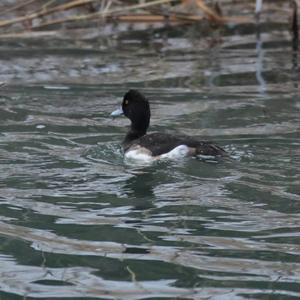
point(133, 135)
point(136, 131)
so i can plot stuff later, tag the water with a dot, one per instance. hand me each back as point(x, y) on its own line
point(77, 221)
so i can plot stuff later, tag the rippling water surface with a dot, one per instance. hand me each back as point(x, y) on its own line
point(77, 221)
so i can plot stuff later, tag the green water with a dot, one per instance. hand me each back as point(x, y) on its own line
point(79, 222)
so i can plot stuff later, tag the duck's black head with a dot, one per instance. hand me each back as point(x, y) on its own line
point(136, 108)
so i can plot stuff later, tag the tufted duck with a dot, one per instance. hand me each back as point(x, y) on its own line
point(139, 145)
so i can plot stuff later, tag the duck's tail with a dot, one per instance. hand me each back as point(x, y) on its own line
point(210, 150)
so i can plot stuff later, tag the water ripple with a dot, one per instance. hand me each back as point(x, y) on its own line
point(76, 220)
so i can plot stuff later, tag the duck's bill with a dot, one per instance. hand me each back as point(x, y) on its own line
point(117, 112)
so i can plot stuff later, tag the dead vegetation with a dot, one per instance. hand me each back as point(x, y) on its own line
point(17, 18)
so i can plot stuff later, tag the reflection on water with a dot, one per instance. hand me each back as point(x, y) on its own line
point(77, 221)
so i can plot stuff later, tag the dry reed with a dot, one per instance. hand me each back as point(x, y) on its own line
point(36, 15)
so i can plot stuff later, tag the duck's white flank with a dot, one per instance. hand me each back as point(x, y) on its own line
point(139, 153)
point(177, 153)
point(142, 154)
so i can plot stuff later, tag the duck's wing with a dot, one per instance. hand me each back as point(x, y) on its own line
point(161, 143)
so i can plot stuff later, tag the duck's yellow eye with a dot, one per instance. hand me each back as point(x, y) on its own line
point(126, 102)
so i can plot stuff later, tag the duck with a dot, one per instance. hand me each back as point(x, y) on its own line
point(142, 146)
